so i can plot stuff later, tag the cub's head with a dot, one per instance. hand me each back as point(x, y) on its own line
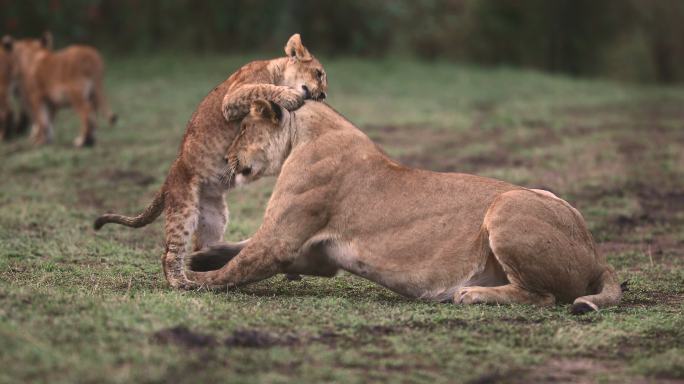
point(24, 51)
point(262, 144)
point(303, 72)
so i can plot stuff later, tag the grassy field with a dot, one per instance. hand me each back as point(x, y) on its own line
point(80, 306)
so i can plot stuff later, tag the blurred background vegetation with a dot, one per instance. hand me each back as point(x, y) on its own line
point(636, 40)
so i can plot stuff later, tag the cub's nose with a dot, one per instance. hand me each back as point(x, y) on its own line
point(307, 93)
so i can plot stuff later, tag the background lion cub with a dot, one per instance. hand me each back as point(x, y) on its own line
point(192, 195)
point(48, 80)
point(5, 111)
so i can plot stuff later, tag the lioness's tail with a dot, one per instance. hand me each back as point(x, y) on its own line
point(145, 217)
point(609, 293)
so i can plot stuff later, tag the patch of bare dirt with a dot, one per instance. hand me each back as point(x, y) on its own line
point(652, 298)
point(408, 136)
point(128, 176)
point(576, 371)
point(442, 150)
point(89, 198)
point(253, 338)
point(182, 336)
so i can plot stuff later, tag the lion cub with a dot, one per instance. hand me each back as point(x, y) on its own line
point(192, 195)
point(48, 80)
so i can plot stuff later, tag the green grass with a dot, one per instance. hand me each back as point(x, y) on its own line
point(80, 306)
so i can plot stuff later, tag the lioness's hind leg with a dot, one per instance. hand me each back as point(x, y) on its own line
point(503, 294)
point(215, 256)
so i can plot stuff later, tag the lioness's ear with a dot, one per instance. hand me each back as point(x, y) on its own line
point(7, 43)
point(46, 40)
point(266, 110)
point(296, 50)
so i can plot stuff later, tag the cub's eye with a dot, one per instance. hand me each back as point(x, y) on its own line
point(319, 74)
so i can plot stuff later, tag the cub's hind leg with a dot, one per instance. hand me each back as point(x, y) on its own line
point(182, 212)
point(41, 128)
point(86, 112)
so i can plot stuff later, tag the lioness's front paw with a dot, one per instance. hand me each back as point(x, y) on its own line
point(468, 295)
point(290, 100)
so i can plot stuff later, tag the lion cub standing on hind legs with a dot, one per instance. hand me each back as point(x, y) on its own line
point(192, 195)
point(49, 80)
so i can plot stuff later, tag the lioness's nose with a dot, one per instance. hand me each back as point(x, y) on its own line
point(323, 95)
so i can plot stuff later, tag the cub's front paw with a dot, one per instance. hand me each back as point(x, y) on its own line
point(290, 100)
point(181, 283)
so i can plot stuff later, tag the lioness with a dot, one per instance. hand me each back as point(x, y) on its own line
point(192, 195)
point(49, 80)
point(341, 203)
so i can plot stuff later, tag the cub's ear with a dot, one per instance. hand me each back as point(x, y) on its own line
point(266, 110)
point(7, 43)
point(46, 40)
point(296, 50)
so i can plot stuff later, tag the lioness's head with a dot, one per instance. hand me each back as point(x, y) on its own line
point(303, 72)
point(262, 144)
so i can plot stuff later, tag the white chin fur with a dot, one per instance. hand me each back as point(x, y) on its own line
point(240, 180)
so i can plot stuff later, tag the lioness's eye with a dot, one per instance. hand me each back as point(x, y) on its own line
point(319, 74)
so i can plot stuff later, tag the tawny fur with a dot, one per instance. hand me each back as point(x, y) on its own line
point(192, 197)
point(6, 116)
point(49, 80)
point(341, 203)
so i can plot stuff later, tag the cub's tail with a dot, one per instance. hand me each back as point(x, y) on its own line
point(609, 294)
point(145, 217)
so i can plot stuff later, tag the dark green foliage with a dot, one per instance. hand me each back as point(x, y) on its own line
point(624, 39)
